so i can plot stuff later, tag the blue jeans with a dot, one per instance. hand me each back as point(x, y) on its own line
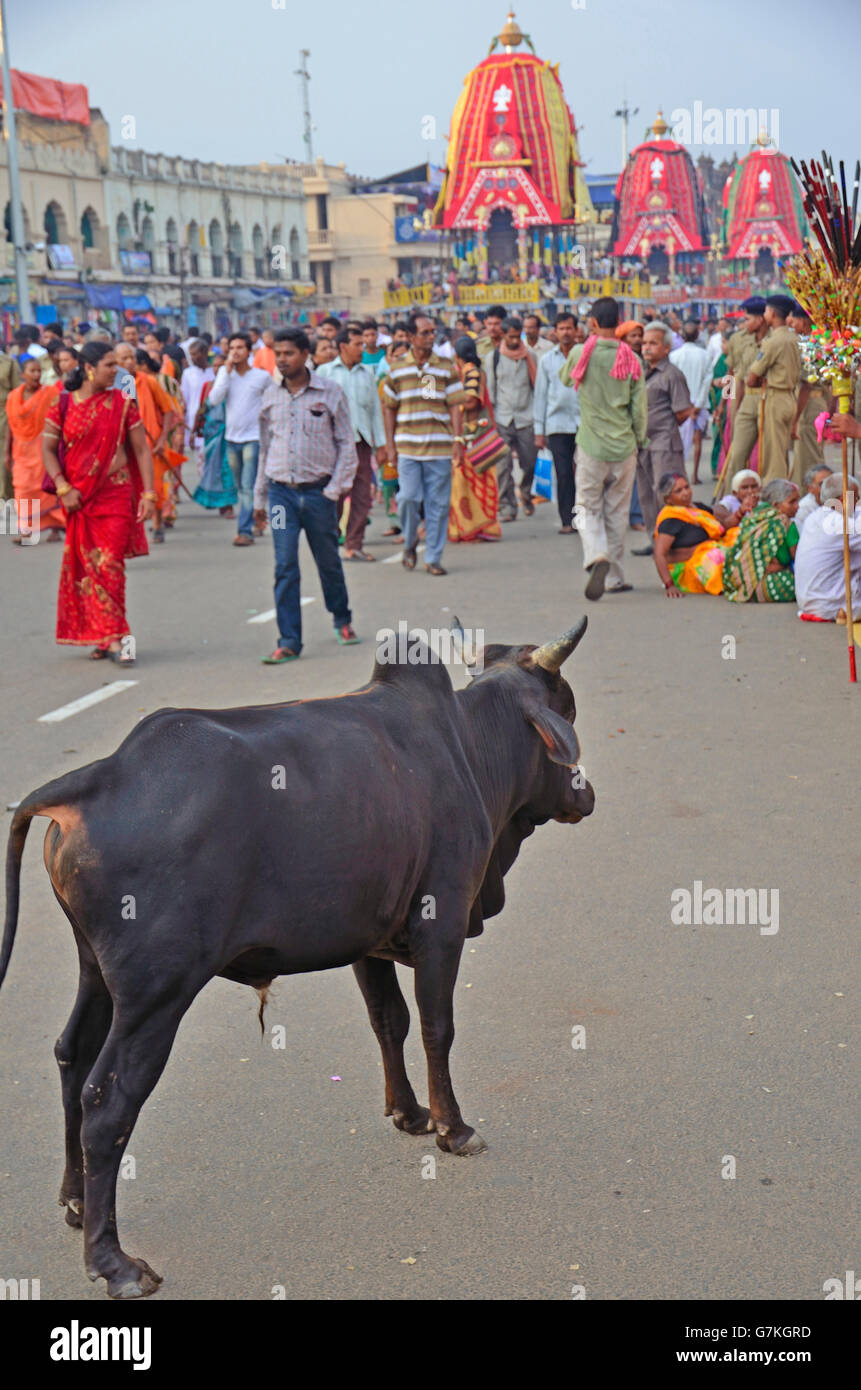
point(291, 511)
point(635, 516)
point(427, 480)
point(243, 465)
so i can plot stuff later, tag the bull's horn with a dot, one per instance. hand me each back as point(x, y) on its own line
point(551, 656)
point(457, 626)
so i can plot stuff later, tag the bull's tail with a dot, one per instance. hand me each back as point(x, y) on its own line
point(60, 792)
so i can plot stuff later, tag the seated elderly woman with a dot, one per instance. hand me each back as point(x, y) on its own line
point(810, 500)
point(690, 543)
point(758, 568)
point(820, 580)
point(742, 498)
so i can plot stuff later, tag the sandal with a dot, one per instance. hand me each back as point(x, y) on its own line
point(120, 658)
point(435, 569)
point(279, 657)
point(358, 555)
point(99, 654)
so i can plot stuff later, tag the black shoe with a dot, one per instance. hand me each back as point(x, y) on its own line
point(597, 575)
point(644, 550)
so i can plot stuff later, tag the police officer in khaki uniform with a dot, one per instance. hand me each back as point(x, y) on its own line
point(743, 348)
point(813, 397)
point(778, 370)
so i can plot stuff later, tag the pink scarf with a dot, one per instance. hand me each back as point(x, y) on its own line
point(627, 363)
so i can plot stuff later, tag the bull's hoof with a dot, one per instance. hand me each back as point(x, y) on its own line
point(134, 1280)
point(418, 1123)
point(463, 1145)
point(74, 1211)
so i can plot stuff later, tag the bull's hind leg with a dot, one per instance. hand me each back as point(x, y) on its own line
point(76, 1050)
point(436, 964)
point(128, 1067)
point(390, 1020)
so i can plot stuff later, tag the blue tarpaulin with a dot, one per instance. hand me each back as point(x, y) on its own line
point(105, 297)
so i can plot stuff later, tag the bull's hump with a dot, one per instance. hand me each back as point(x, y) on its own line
point(431, 678)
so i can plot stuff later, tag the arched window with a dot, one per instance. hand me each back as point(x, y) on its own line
point(172, 239)
point(276, 253)
point(124, 233)
point(295, 252)
point(56, 226)
point(193, 242)
point(89, 228)
point(7, 223)
point(216, 246)
point(235, 249)
point(257, 245)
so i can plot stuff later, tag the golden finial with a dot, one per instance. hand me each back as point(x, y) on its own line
point(511, 36)
point(659, 127)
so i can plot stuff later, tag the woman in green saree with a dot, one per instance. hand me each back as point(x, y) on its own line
point(758, 568)
point(718, 407)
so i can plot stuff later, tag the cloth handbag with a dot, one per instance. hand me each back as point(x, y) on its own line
point(48, 484)
point(484, 445)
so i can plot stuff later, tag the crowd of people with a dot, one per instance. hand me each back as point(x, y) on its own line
point(442, 427)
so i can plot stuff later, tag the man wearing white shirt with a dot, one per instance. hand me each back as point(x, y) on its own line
point(820, 585)
point(242, 387)
point(556, 417)
point(696, 367)
point(193, 380)
point(532, 336)
point(813, 480)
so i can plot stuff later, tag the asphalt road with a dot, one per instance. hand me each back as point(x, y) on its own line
point(257, 1167)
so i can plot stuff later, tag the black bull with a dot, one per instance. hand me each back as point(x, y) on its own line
point(265, 868)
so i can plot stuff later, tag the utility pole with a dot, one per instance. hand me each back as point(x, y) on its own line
point(625, 113)
point(305, 75)
point(24, 311)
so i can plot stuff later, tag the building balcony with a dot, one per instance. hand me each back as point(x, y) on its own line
point(320, 239)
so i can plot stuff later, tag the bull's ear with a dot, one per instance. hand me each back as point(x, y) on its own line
point(556, 734)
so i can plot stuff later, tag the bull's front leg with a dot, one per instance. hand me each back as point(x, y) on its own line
point(390, 1020)
point(437, 957)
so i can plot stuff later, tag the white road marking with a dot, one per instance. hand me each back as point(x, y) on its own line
point(95, 697)
point(270, 612)
point(393, 559)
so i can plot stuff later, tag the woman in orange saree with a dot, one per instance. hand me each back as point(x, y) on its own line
point(690, 544)
point(26, 409)
point(159, 417)
point(94, 449)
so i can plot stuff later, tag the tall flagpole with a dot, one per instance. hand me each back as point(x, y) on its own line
point(24, 310)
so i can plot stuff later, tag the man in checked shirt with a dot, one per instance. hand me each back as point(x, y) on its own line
point(307, 461)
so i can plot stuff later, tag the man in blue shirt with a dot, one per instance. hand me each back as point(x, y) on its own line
point(556, 417)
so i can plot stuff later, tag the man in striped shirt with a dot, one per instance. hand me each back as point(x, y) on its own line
point(422, 397)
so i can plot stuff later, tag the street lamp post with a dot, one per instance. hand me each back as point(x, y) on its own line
point(23, 289)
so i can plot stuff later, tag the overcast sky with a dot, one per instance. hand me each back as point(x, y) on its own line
point(215, 78)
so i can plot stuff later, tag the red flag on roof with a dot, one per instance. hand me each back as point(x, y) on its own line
point(46, 96)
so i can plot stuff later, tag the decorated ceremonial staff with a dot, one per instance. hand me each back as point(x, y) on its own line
point(826, 279)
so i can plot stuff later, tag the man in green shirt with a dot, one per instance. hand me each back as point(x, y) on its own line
point(613, 419)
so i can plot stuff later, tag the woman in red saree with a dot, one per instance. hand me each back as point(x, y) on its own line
point(26, 409)
point(95, 450)
point(159, 417)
